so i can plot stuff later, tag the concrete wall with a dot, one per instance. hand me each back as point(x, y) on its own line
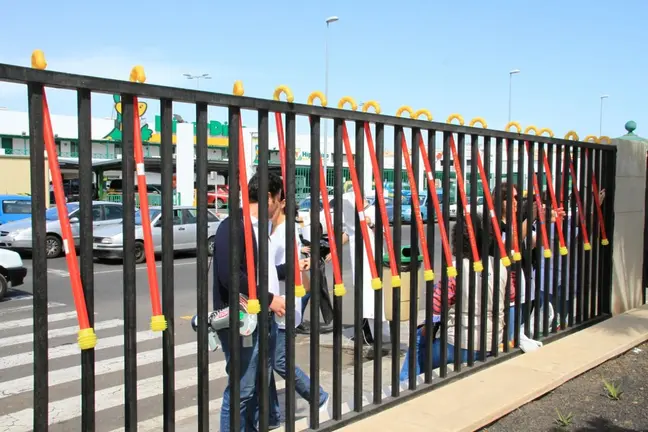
point(15, 176)
point(629, 208)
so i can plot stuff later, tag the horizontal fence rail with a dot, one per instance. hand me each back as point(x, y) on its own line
point(498, 279)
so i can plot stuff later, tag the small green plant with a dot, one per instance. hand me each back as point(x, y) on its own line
point(563, 420)
point(613, 390)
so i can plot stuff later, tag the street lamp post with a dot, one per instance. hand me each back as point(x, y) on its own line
point(601, 116)
point(330, 20)
point(197, 78)
point(511, 73)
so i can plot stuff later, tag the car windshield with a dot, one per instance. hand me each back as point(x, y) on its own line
point(51, 214)
point(152, 213)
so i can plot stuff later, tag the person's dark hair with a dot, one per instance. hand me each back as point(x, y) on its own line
point(275, 186)
point(457, 237)
point(504, 192)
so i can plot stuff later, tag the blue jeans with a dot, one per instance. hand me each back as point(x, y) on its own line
point(304, 302)
point(421, 352)
point(302, 381)
point(249, 361)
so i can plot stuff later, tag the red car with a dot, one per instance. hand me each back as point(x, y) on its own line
point(219, 197)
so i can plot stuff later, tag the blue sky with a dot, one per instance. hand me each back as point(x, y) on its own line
point(448, 57)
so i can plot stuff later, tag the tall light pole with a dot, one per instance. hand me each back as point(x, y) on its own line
point(197, 78)
point(511, 73)
point(601, 117)
point(330, 20)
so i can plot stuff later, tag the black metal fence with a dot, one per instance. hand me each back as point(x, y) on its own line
point(584, 276)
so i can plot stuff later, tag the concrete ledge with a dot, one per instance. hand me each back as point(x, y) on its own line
point(477, 400)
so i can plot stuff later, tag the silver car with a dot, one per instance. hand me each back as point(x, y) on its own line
point(17, 235)
point(108, 242)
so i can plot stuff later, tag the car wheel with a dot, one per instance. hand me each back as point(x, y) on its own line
point(53, 246)
point(220, 203)
point(210, 245)
point(140, 256)
point(4, 287)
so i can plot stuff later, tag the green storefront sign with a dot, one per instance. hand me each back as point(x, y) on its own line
point(215, 128)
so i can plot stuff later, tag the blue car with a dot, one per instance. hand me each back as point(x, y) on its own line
point(406, 207)
point(14, 207)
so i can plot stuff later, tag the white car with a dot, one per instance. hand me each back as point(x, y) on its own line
point(480, 208)
point(11, 271)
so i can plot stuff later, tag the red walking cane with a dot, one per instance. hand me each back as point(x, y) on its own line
point(429, 173)
point(300, 291)
point(253, 302)
point(158, 322)
point(597, 203)
point(541, 216)
point(86, 337)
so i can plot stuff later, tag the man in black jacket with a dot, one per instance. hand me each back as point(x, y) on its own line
point(249, 356)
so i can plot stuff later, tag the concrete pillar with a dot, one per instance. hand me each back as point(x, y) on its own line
point(629, 219)
point(185, 173)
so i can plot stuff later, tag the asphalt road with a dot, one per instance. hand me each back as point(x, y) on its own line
point(16, 358)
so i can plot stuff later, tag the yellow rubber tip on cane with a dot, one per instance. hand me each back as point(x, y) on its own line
point(253, 306)
point(395, 281)
point(300, 291)
point(587, 246)
point(605, 242)
point(376, 283)
point(317, 95)
point(428, 275)
point(339, 290)
point(517, 256)
point(238, 88)
point(86, 338)
point(38, 60)
point(478, 266)
point(547, 253)
point(158, 323)
point(137, 74)
point(452, 272)
point(371, 104)
point(505, 261)
point(285, 90)
point(347, 100)
point(563, 250)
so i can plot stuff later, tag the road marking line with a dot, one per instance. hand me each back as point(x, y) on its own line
point(73, 349)
point(19, 298)
point(29, 321)
point(66, 331)
point(70, 408)
point(71, 374)
point(120, 270)
point(27, 307)
point(58, 272)
point(187, 317)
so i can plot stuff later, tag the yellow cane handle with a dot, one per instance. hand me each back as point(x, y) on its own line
point(513, 124)
point(571, 135)
point(316, 95)
point(605, 140)
point(371, 104)
point(457, 117)
point(137, 74)
point(591, 138)
point(238, 88)
point(531, 129)
point(405, 109)
point(285, 90)
point(423, 112)
point(347, 100)
point(38, 60)
point(479, 120)
point(546, 131)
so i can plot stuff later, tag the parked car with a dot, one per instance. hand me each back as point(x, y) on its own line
point(14, 207)
point(218, 198)
point(406, 207)
point(11, 271)
point(108, 242)
point(480, 208)
point(18, 235)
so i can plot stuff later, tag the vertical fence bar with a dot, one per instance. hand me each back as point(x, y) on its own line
point(610, 193)
point(459, 257)
point(528, 249)
point(521, 271)
point(474, 153)
point(586, 167)
point(236, 251)
point(338, 154)
point(396, 232)
point(291, 209)
point(486, 252)
point(574, 239)
point(509, 246)
point(378, 294)
point(558, 268)
point(443, 372)
point(202, 271)
point(579, 162)
point(87, 268)
point(499, 199)
point(168, 300)
point(315, 279)
point(266, 350)
point(414, 264)
point(359, 273)
point(39, 257)
point(429, 291)
point(596, 242)
point(129, 278)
